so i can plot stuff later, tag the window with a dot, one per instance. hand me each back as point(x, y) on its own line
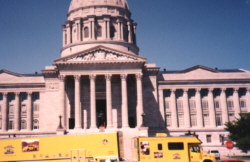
point(11, 124)
point(35, 124)
point(179, 106)
point(112, 32)
point(195, 149)
point(168, 120)
point(99, 31)
point(209, 138)
point(86, 32)
point(193, 120)
point(36, 107)
point(218, 119)
point(231, 117)
point(11, 109)
point(181, 120)
point(23, 109)
point(206, 119)
point(167, 104)
point(23, 124)
point(204, 105)
point(230, 104)
point(176, 146)
point(216, 104)
point(159, 146)
point(243, 104)
point(222, 139)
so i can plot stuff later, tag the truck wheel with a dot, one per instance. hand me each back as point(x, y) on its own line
point(207, 161)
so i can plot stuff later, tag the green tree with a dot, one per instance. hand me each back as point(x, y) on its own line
point(239, 131)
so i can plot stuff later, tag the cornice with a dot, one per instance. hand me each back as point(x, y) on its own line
point(207, 81)
point(22, 85)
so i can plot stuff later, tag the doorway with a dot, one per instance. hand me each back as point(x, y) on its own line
point(101, 112)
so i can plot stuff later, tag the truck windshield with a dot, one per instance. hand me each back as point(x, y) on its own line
point(195, 149)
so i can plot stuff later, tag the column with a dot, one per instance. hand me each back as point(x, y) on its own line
point(62, 100)
point(92, 101)
point(29, 112)
point(17, 111)
point(129, 33)
point(198, 108)
point(77, 103)
point(119, 29)
point(108, 29)
point(78, 29)
point(173, 109)
point(186, 109)
point(139, 100)
point(224, 105)
point(4, 112)
point(134, 27)
point(248, 99)
point(64, 36)
point(236, 101)
point(92, 21)
point(68, 28)
point(211, 108)
point(109, 101)
point(122, 37)
point(161, 104)
point(124, 101)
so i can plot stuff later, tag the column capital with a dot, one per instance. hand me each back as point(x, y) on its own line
point(5, 94)
point(61, 77)
point(139, 76)
point(210, 90)
point(77, 77)
point(173, 90)
point(17, 93)
point(223, 90)
point(128, 23)
point(198, 90)
point(185, 90)
point(92, 76)
point(108, 76)
point(124, 76)
point(236, 90)
point(30, 93)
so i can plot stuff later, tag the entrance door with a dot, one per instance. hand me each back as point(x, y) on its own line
point(101, 113)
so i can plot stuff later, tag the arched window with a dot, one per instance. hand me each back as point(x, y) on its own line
point(112, 32)
point(23, 124)
point(35, 124)
point(86, 32)
point(99, 31)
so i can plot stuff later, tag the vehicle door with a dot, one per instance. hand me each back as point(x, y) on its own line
point(194, 152)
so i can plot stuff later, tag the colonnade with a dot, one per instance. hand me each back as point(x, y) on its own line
point(5, 112)
point(124, 100)
point(173, 110)
point(74, 31)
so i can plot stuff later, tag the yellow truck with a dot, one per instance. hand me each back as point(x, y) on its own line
point(169, 149)
point(102, 147)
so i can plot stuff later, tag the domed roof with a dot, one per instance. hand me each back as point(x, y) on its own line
point(75, 4)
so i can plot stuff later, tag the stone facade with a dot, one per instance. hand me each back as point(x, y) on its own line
point(101, 84)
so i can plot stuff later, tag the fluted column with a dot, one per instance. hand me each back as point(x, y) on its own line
point(211, 108)
point(92, 102)
point(248, 99)
point(186, 108)
point(129, 33)
point(108, 29)
point(78, 29)
point(109, 101)
point(173, 109)
point(29, 112)
point(139, 100)
point(122, 34)
point(64, 36)
point(161, 104)
point(198, 108)
point(62, 100)
point(224, 106)
point(119, 29)
point(77, 102)
point(17, 111)
point(236, 102)
point(124, 101)
point(134, 27)
point(4, 112)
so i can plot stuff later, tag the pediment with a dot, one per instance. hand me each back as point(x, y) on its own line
point(100, 55)
point(199, 69)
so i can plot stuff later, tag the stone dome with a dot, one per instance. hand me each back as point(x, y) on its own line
point(77, 4)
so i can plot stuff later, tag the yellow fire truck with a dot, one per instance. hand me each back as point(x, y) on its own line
point(102, 147)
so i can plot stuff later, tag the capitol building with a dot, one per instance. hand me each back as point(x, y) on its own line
point(101, 84)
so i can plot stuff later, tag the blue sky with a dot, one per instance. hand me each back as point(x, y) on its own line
point(173, 34)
